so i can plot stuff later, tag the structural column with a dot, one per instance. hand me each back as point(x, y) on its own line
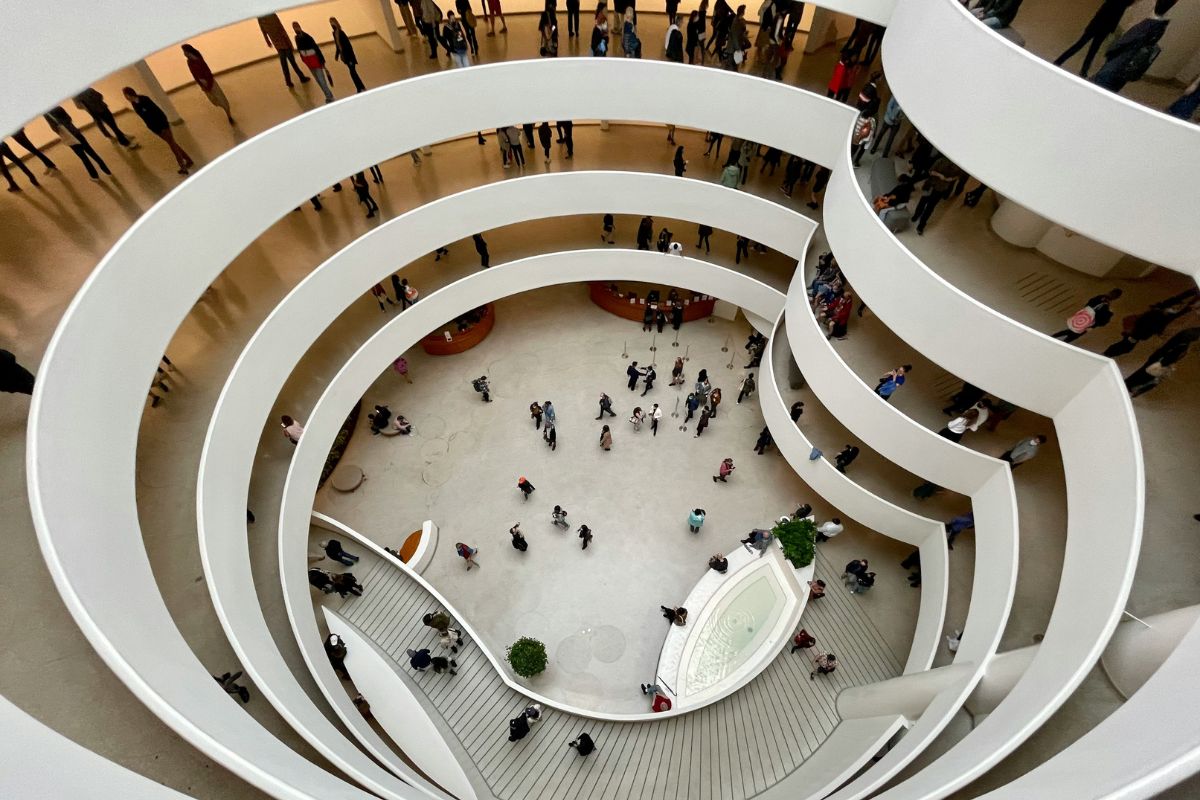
point(156, 92)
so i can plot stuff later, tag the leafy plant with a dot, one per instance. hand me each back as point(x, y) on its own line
point(527, 657)
point(798, 537)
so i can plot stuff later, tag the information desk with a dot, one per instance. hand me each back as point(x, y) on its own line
point(448, 340)
point(620, 302)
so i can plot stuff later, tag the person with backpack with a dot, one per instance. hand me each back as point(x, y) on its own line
point(482, 386)
point(1095, 314)
point(1131, 55)
point(454, 38)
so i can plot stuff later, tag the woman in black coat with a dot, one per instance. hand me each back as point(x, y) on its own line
point(680, 162)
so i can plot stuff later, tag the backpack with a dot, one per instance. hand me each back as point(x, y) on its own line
point(1140, 61)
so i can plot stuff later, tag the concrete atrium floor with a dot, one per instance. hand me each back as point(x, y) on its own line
point(53, 238)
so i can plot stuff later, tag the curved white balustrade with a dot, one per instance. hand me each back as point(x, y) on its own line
point(42, 764)
point(1092, 161)
point(1083, 393)
point(82, 417)
point(868, 509)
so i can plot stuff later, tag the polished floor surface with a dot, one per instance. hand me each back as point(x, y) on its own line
point(53, 238)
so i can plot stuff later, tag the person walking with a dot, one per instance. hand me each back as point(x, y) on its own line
point(606, 229)
point(6, 152)
point(334, 552)
point(276, 36)
point(420, 660)
point(764, 441)
point(157, 123)
point(467, 554)
point(515, 150)
point(830, 529)
point(408, 294)
point(430, 21)
point(469, 23)
point(680, 163)
point(957, 525)
point(481, 247)
point(335, 651)
point(203, 75)
point(585, 534)
point(702, 423)
point(525, 486)
point(63, 126)
point(796, 411)
point(703, 232)
point(803, 640)
point(605, 406)
point(742, 244)
point(583, 744)
point(691, 404)
point(731, 176)
point(380, 295)
point(943, 176)
point(655, 415)
point(605, 438)
point(957, 428)
point(714, 400)
point(724, 471)
point(559, 517)
point(314, 59)
point(292, 430)
point(677, 372)
point(518, 727)
point(535, 411)
point(92, 102)
point(747, 387)
point(359, 182)
point(344, 52)
point(1096, 313)
point(696, 519)
point(518, 539)
point(1102, 25)
point(1023, 450)
point(551, 413)
point(345, 583)
point(825, 663)
point(455, 40)
point(845, 458)
point(14, 378)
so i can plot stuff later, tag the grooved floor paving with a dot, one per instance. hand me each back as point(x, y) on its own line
point(730, 750)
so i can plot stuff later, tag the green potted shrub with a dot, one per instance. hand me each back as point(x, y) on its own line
point(527, 657)
point(798, 538)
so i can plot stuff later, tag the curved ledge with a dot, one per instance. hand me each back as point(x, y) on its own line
point(1083, 393)
point(1109, 196)
point(862, 505)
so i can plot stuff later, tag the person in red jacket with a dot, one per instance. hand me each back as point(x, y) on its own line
point(206, 81)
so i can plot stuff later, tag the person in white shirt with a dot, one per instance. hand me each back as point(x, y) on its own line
point(830, 529)
point(292, 430)
point(655, 416)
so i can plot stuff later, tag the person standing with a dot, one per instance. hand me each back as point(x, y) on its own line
point(796, 411)
point(515, 148)
point(644, 233)
point(673, 43)
point(634, 373)
point(583, 744)
point(696, 519)
point(343, 51)
point(677, 372)
point(406, 14)
point(7, 152)
point(276, 36)
point(1102, 24)
point(680, 164)
point(292, 430)
point(359, 182)
point(408, 294)
point(695, 37)
point(1131, 55)
point(535, 411)
point(1095, 314)
point(335, 651)
point(705, 416)
point(655, 415)
point(1023, 450)
point(467, 554)
point(454, 39)
point(203, 75)
point(943, 176)
point(573, 18)
point(93, 103)
point(747, 387)
point(14, 378)
point(156, 121)
point(314, 59)
point(825, 663)
point(485, 258)
point(845, 458)
point(853, 570)
point(714, 400)
point(724, 471)
point(469, 23)
point(600, 36)
point(764, 441)
point(63, 126)
point(431, 20)
point(691, 404)
point(892, 381)
point(551, 413)
point(518, 539)
point(605, 438)
point(545, 137)
point(496, 11)
point(830, 529)
point(559, 517)
point(585, 533)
